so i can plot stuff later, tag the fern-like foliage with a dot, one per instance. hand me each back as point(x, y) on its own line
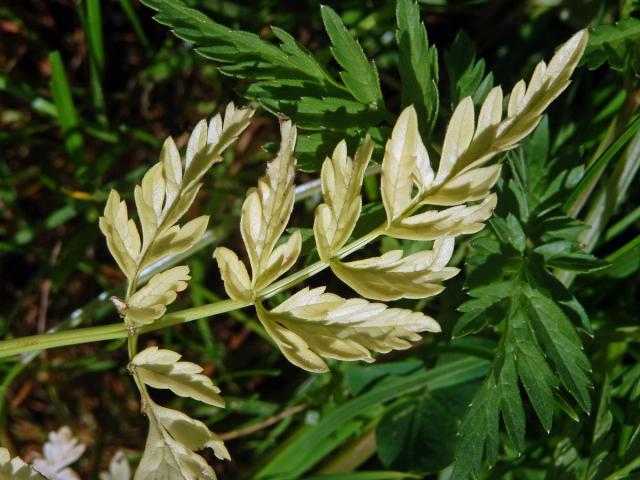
point(421, 203)
point(311, 324)
point(284, 77)
point(616, 45)
point(167, 191)
point(173, 436)
point(511, 286)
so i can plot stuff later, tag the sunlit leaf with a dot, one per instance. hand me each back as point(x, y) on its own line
point(450, 222)
point(313, 324)
point(160, 368)
point(341, 183)
point(150, 302)
point(237, 282)
point(404, 154)
point(171, 444)
point(393, 276)
point(166, 192)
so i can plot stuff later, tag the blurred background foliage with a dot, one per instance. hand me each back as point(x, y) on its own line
point(88, 91)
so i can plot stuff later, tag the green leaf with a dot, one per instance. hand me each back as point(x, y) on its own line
point(418, 435)
point(478, 432)
point(67, 115)
point(562, 345)
point(510, 400)
point(568, 256)
point(418, 65)
point(360, 76)
point(510, 231)
point(588, 182)
point(535, 375)
point(297, 458)
point(286, 78)
point(625, 261)
point(92, 24)
point(372, 475)
point(360, 378)
point(466, 75)
point(541, 348)
point(130, 11)
point(530, 168)
point(617, 45)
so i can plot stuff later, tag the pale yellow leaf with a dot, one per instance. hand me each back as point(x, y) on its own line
point(422, 174)
point(176, 240)
point(165, 194)
point(171, 444)
point(450, 222)
point(123, 239)
point(172, 168)
point(191, 433)
point(516, 97)
point(234, 274)
point(160, 368)
point(197, 141)
point(399, 164)
point(468, 186)
point(312, 324)
point(15, 468)
point(457, 139)
point(490, 113)
point(180, 206)
point(207, 144)
point(149, 303)
point(546, 84)
point(342, 179)
point(393, 276)
point(280, 260)
point(267, 208)
point(224, 133)
point(461, 153)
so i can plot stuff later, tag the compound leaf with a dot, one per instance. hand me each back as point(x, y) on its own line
point(312, 324)
point(359, 76)
point(171, 443)
point(160, 368)
point(418, 65)
point(393, 276)
point(342, 178)
point(150, 302)
point(265, 214)
point(615, 44)
point(405, 156)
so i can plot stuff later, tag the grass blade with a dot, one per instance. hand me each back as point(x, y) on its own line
point(581, 193)
point(67, 115)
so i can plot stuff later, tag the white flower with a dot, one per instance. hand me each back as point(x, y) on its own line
point(60, 451)
point(118, 468)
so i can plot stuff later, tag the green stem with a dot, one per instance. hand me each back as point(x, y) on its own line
point(120, 330)
point(102, 333)
point(114, 331)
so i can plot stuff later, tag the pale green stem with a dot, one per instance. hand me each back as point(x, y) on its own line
point(120, 330)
